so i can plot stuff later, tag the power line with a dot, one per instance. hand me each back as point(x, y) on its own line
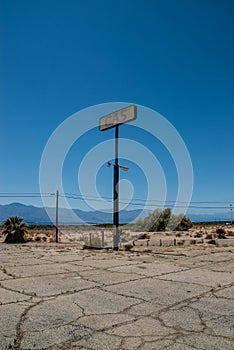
point(128, 201)
point(24, 196)
point(143, 200)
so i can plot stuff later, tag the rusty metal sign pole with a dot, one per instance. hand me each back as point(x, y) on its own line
point(113, 120)
point(56, 217)
point(116, 191)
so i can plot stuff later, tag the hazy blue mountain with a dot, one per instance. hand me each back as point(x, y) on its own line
point(38, 215)
point(29, 212)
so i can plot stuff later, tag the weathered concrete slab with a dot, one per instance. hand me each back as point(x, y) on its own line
point(206, 277)
point(10, 315)
point(52, 337)
point(146, 308)
point(106, 262)
point(23, 260)
point(202, 342)
point(58, 297)
point(183, 318)
point(9, 296)
point(208, 258)
point(97, 341)
point(48, 285)
point(142, 327)
point(225, 242)
point(44, 269)
point(223, 267)
point(104, 321)
point(165, 292)
point(227, 293)
point(4, 275)
point(97, 301)
point(131, 343)
point(160, 344)
point(51, 313)
point(61, 257)
point(216, 314)
point(108, 277)
point(148, 269)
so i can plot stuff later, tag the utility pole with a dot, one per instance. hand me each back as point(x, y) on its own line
point(116, 191)
point(56, 233)
point(231, 212)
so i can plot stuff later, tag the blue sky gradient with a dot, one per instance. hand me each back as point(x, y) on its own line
point(174, 56)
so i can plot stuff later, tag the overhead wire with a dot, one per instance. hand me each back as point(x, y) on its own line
point(147, 203)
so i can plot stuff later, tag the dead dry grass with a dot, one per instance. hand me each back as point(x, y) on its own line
point(86, 234)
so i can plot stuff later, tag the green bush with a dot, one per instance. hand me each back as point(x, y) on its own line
point(212, 241)
point(148, 222)
point(14, 230)
point(220, 230)
point(160, 220)
point(184, 225)
point(221, 233)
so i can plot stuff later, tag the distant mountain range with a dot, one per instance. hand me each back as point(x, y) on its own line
point(39, 216)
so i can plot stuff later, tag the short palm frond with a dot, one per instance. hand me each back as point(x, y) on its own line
point(14, 230)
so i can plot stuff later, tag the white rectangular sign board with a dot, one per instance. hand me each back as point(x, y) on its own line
point(119, 117)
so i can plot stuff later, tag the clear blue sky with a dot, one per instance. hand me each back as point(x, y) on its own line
point(174, 56)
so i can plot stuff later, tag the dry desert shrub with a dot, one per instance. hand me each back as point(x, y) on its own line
point(94, 243)
point(209, 236)
point(212, 241)
point(144, 236)
point(178, 234)
point(199, 234)
point(221, 233)
point(230, 233)
point(128, 247)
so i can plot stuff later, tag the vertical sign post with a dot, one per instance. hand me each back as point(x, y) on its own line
point(116, 190)
point(113, 120)
point(56, 233)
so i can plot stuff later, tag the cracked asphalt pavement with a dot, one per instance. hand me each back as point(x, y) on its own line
point(60, 297)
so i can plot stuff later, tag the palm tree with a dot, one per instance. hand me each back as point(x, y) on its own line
point(15, 230)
